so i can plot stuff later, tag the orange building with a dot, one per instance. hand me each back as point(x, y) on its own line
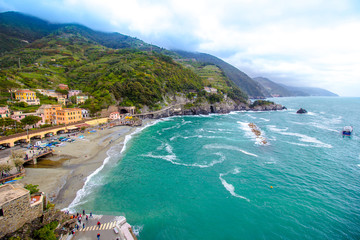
point(68, 115)
point(49, 112)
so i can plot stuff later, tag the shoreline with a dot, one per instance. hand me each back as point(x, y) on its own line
point(75, 162)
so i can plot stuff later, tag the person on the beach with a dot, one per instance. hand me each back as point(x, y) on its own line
point(98, 223)
point(87, 218)
point(90, 214)
point(83, 212)
point(98, 236)
point(83, 225)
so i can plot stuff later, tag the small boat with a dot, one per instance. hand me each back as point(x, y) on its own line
point(347, 130)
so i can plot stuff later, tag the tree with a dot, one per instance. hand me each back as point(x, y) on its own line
point(6, 122)
point(30, 120)
point(32, 188)
point(5, 168)
point(18, 162)
point(47, 231)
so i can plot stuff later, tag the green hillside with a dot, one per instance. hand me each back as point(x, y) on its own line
point(128, 77)
point(242, 80)
point(272, 89)
point(16, 29)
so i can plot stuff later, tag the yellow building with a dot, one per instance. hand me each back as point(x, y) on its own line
point(25, 95)
point(68, 115)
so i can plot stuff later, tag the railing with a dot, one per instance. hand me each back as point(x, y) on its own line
point(2, 180)
point(38, 155)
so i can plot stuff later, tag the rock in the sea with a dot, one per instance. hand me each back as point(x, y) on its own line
point(301, 110)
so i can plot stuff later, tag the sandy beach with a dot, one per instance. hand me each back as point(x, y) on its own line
point(73, 162)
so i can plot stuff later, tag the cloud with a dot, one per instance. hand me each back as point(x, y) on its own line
point(307, 42)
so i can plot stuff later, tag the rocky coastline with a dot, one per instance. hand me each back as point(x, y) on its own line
point(206, 109)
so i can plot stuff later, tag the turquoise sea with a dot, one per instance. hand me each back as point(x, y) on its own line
point(209, 177)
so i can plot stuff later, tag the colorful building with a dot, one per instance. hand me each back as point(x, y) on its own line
point(85, 113)
point(4, 112)
point(74, 93)
point(63, 87)
point(68, 115)
point(114, 116)
point(49, 112)
point(62, 101)
point(25, 95)
point(18, 116)
point(81, 99)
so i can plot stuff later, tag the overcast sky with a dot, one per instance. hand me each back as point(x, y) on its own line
point(298, 42)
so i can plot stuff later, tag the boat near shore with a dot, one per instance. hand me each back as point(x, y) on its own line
point(347, 131)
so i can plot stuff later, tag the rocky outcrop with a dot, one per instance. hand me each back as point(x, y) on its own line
point(301, 111)
point(206, 108)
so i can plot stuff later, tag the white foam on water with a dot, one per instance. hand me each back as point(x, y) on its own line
point(358, 165)
point(245, 127)
point(229, 187)
point(317, 125)
point(88, 185)
point(250, 116)
point(137, 229)
point(265, 119)
point(270, 162)
point(228, 147)
point(302, 138)
point(307, 139)
point(171, 157)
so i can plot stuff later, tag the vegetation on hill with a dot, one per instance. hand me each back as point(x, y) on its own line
point(271, 88)
point(243, 81)
point(125, 77)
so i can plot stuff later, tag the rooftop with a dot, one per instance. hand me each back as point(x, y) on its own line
point(8, 193)
point(24, 91)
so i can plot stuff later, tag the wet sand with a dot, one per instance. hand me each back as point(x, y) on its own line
point(60, 176)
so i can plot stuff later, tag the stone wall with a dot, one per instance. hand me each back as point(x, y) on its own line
point(17, 213)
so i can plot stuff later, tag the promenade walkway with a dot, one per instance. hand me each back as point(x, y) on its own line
point(106, 229)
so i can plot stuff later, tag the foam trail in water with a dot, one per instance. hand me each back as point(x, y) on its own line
point(228, 147)
point(302, 138)
point(265, 119)
point(171, 157)
point(229, 187)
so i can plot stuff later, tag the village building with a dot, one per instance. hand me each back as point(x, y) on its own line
point(4, 112)
point(62, 101)
point(17, 207)
point(25, 95)
point(114, 116)
point(63, 87)
point(49, 112)
point(81, 99)
point(74, 93)
point(68, 115)
point(210, 90)
point(19, 115)
point(85, 113)
point(52, 93)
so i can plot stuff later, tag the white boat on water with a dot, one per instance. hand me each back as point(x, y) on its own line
point(347, 130)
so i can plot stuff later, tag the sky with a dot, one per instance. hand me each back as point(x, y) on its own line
point(314, 43)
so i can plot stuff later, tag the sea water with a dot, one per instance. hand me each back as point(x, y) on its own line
point(211, 177)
